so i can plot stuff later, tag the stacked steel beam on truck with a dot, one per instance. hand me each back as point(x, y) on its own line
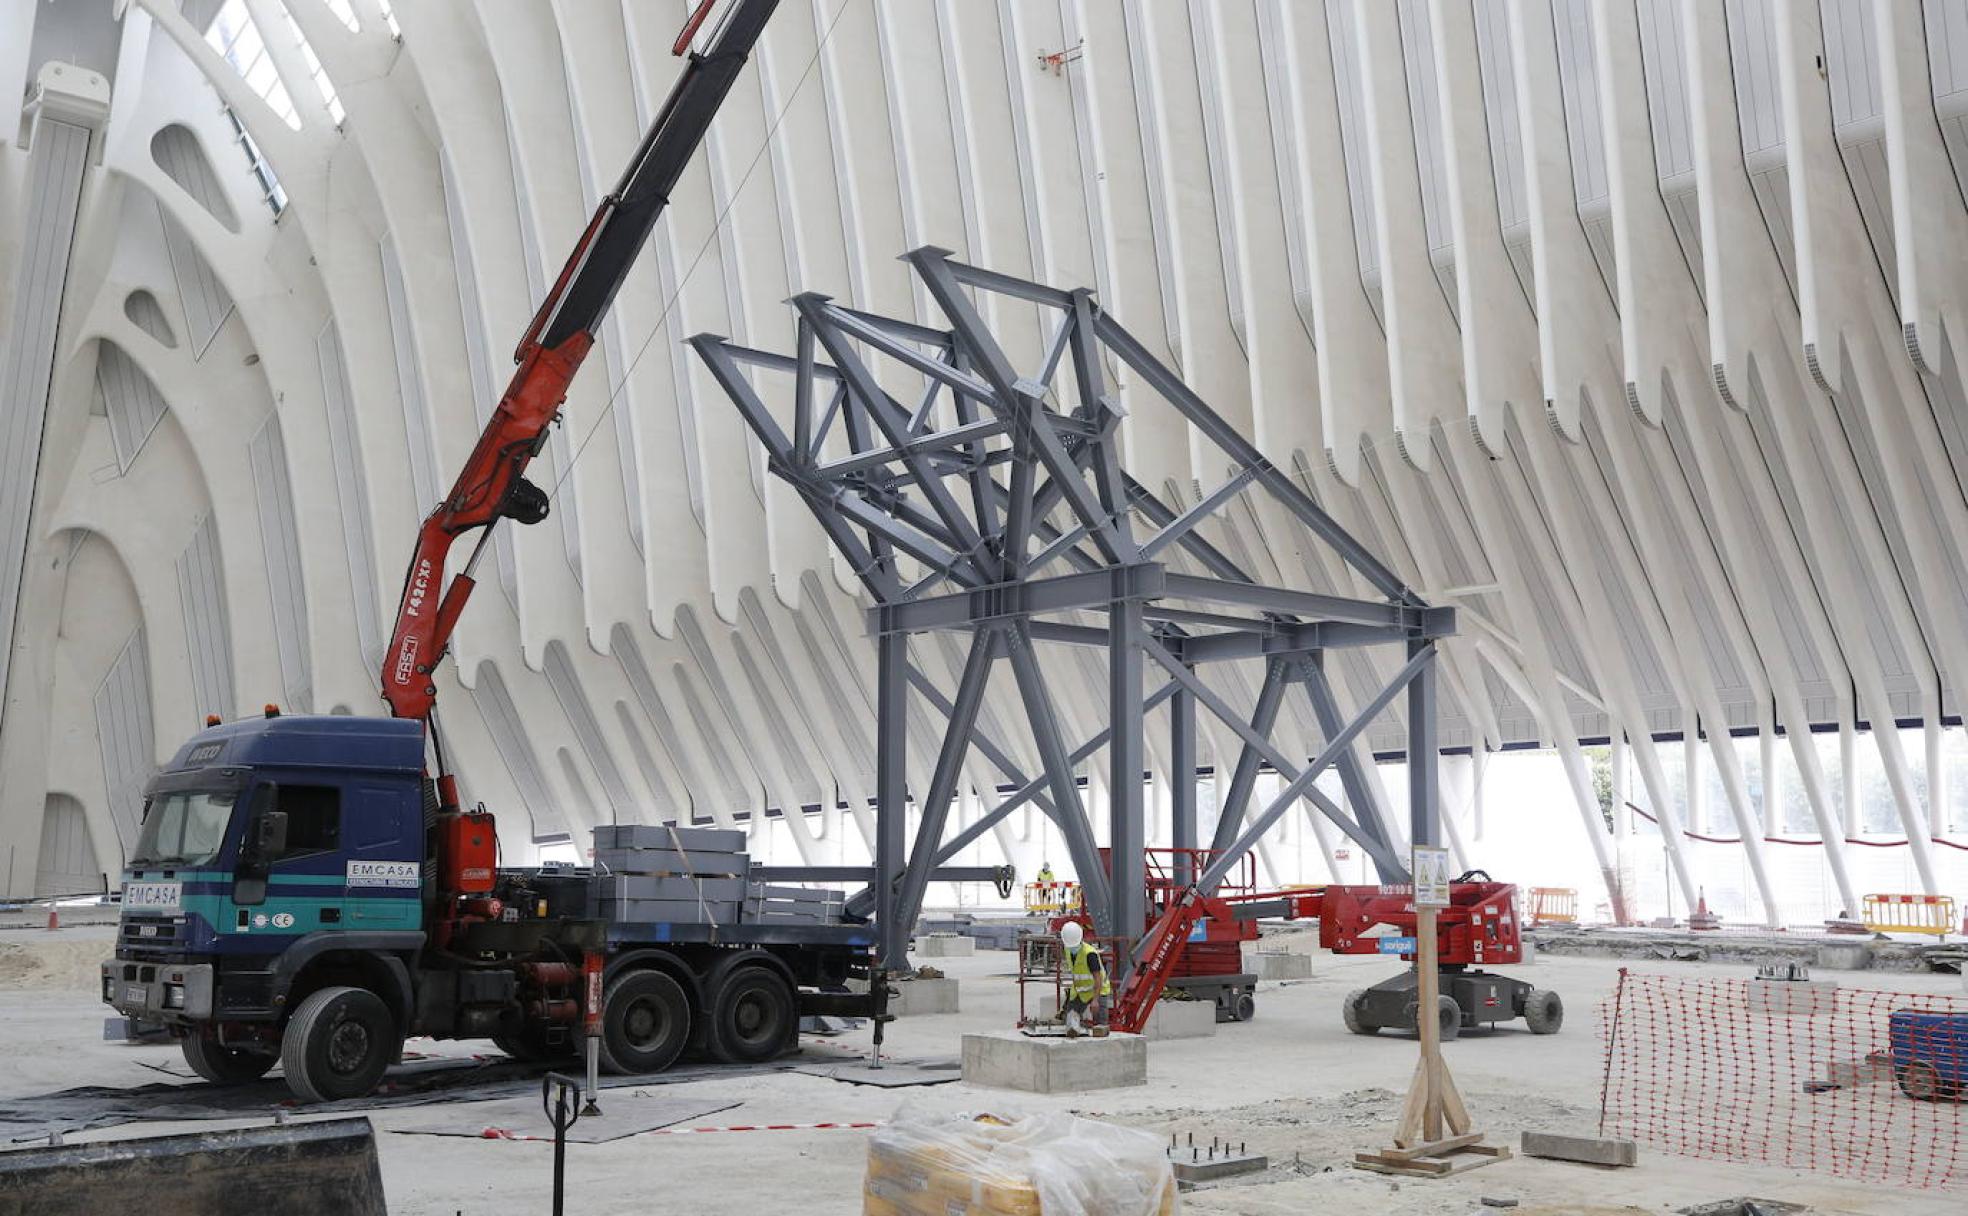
point(651, 873)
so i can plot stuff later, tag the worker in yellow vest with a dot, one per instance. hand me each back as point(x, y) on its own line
point(1045, 874)
point(1087, 987)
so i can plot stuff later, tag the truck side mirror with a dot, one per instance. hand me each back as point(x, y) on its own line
point(270, 834)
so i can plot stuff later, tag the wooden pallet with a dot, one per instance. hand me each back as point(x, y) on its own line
point(1436, 1159)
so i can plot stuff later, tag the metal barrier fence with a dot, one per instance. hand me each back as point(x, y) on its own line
point(1930, 914)
point(1554, 906)
point(1857, 1083)
point(1052, 898)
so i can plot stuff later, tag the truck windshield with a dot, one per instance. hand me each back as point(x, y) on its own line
point(185, 827)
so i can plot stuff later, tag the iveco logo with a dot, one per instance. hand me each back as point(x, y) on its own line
point(419, 587)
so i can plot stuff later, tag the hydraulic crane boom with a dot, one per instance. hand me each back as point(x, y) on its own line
point(492, 484)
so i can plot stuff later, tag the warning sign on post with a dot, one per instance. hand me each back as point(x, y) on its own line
point(1431, 876)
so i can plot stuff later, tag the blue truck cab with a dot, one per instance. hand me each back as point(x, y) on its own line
point(282, 906)
point(268, 843)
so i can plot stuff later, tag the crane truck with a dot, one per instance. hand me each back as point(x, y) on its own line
point(307, 890)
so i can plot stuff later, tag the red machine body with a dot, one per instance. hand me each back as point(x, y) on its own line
point(1479, 927)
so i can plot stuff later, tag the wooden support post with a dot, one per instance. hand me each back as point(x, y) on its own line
point(1433, 1138)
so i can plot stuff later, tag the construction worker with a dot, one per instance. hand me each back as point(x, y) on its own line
point(1045, 874)
point(1087, 987)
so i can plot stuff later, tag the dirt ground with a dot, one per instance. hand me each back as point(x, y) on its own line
point(1292, 1084)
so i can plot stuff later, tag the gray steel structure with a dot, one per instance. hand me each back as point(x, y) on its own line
point(991, 508)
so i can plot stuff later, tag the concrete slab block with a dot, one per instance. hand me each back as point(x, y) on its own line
point(919, 997)
point(1180, 1020)
point(1199, 1165)
point(1278, 965)
point(1805, 998)
point(1843, 956)
point(945, 945)
point(1009, 1060)
point(1588, 1150)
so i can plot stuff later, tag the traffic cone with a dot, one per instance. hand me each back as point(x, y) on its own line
point(1701, 917)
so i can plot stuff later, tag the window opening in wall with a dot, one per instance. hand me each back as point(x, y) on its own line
point(328, 96)
point(234, 35)
point(270, 189)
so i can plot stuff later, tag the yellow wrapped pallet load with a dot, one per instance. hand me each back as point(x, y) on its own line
point(937, 1164)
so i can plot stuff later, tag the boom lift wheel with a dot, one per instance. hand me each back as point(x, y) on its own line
point(1450, 1015)
point(1243, 1003)
point(338, 1044)
point(1544, 1012)
point(752, 1016)
point(1354, 1011)
point(645, 1022)
point(222, 1065)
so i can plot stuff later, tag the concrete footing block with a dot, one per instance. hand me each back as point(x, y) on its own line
point(945, 945)
point(1809, 998)
point(1009, 1060)
point(1588, 1150)
point(1278, 965)
point(1180, 1020)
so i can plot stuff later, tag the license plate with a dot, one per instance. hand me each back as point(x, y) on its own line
point(136, 994)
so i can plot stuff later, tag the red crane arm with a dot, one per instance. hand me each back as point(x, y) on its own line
point(492, 486)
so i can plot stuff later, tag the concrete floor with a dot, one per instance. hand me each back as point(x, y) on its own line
point(1293, 1084)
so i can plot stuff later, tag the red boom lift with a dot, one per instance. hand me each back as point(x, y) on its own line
point(1194, 940)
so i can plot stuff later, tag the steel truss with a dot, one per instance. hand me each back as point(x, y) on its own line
point(992, 507)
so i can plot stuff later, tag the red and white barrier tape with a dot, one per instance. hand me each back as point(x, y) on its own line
point(500, 1133)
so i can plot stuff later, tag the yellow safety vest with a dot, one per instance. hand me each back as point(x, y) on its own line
point(1079, 965)
point(1045, 875)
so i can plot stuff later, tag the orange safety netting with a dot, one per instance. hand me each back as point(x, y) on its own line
point(1854, 1082)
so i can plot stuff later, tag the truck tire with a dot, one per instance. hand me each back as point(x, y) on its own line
point(645, 1022)
point(1544, 1012)
point(338, 1044)
point(752, 1015)
point(222, 1065)
point(1354, 1013)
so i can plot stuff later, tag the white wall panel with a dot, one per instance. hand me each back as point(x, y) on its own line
point(208, 628)
point(53, 186)
point(126, 735)
point(67, 864)
point(352, 491)
point(280, 546)
point(131, 400)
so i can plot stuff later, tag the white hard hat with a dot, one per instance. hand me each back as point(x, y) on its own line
point(1071, 935)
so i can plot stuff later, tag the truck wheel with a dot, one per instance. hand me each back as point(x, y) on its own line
point(752, 1016)
point(222, 1065)
point(1544, 1012)
point(645, 1022)
point(338, 1044)
point(1922, 1082)
point(1354, 1011)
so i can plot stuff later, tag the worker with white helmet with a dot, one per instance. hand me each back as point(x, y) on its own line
point(1087, 984)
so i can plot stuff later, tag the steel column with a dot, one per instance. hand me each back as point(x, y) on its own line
point(1127, 817)
point(891, 792)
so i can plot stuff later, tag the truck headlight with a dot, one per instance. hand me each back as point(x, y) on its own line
point(174, 996)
